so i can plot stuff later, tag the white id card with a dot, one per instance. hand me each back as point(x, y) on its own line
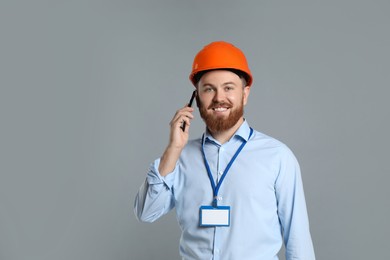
point(211, 217)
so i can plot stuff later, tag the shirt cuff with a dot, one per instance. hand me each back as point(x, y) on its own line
point(154, 177)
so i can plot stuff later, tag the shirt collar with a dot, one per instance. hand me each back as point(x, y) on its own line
point(242, 132)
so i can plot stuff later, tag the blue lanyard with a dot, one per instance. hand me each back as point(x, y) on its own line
point(216, 187)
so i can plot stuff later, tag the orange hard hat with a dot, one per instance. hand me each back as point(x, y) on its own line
point(220, 55)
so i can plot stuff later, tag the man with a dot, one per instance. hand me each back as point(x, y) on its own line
point(237, 193)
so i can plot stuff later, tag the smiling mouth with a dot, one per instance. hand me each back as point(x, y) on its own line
point(220, 106)
point(220, 109)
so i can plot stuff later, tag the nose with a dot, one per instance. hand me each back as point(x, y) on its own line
point(219, 96)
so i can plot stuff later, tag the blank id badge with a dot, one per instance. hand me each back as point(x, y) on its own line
point(214, 216)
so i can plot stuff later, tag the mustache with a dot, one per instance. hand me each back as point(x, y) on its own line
point(220, 104)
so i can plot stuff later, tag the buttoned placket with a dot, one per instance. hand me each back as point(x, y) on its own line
point(220, 167)
point(221, 164)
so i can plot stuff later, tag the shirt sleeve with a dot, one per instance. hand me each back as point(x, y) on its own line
point(292, 209)
point(155, 196)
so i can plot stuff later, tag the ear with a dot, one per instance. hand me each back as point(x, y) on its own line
point(246, 92)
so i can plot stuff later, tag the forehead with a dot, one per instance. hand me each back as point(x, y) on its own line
point(218, 77)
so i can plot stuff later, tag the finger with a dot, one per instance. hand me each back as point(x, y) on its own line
point(186, 108)
point(179, 119)
point(183, 113)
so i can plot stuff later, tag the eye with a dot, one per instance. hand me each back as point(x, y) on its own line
point(208, 89)
point(228, 88)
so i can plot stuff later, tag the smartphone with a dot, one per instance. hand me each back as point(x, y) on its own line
point(183, 126)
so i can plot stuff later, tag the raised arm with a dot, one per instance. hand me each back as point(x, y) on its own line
point(155, 197)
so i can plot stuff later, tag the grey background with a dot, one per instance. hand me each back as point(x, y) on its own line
point(88, 89)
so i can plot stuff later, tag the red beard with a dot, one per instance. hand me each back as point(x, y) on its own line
point(217, 124)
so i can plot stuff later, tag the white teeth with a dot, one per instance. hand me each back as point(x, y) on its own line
point(219, 109)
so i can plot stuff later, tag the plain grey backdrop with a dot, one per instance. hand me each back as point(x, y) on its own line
point(88, 89)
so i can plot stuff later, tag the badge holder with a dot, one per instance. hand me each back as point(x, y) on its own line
point(214, 216)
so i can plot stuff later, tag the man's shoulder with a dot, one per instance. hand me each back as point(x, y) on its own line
point(265, 141)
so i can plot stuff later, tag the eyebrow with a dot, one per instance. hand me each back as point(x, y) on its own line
point(229, 83)
point(224, 84)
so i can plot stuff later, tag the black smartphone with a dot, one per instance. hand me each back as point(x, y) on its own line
point(183, 126)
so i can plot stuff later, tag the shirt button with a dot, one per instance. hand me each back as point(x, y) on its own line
point(220, 173)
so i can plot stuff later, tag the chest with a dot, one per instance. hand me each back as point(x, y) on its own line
point(252, 176)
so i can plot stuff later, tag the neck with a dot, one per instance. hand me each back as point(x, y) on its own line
point(224, 136)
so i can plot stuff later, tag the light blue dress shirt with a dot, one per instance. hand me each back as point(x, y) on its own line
point(263, 188)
